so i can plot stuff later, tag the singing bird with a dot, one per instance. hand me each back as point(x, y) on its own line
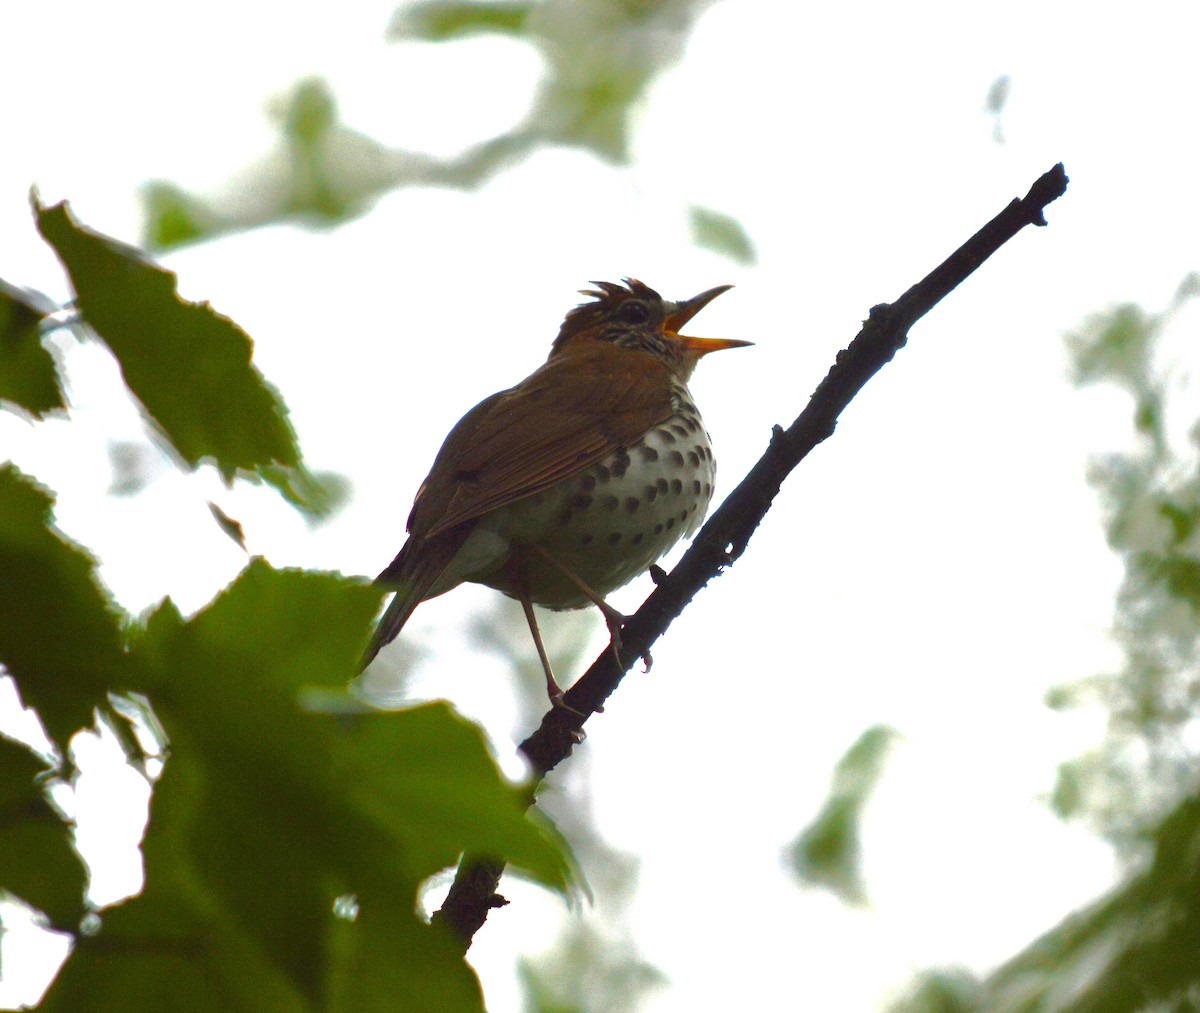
point(565, 487)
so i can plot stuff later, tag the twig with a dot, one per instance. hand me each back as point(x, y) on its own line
point(726, 534)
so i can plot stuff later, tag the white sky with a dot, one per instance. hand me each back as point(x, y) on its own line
point(936, 565)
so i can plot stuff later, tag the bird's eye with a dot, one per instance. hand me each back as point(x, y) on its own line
point(634, 312)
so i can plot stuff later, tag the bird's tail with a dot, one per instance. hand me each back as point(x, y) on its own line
point(413, 575)
point(394, 618)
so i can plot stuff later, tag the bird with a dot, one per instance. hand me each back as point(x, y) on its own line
point(569, 485)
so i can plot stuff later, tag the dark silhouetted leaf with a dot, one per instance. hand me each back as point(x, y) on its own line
point(28, 376)
point(188, 365)
point(38, 862)
point(60, 634)
point(721, 233)
point(232, 528)
point(273, 636)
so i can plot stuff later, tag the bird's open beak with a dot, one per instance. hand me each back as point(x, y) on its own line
point(684, 311)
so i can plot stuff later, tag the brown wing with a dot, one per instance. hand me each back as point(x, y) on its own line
point(573, 411)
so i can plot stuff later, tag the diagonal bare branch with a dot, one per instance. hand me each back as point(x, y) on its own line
point(726, 534)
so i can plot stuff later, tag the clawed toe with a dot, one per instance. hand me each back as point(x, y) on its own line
point(614, 620)
point(558, 702)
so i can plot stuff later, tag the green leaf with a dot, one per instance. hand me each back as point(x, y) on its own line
point(38, 861)
point(422, 775)
point(827, 852)
point(60, 634)
point(438, 20)
point(188, 365)
point(28, 376)
point(388, 960)
point(721, 233)
point(450, 797)
point(267, 813)
point(177, 946)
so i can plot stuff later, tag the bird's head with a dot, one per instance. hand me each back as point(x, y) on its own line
point(635, 317)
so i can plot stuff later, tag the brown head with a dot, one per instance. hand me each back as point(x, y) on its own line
point(635, 317)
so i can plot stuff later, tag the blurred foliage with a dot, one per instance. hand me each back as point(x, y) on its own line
point(828, 851)
point(951, 991)
point(28, 376)
point(1151, 500)
point(439, 20)
point(600, 58)
point(1136, 950)
point(997, 99)
point(587, 971)
point(723, 234)
point(594, 966)
point(134, 466)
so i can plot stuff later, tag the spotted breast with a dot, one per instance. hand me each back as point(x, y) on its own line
point(609, 523)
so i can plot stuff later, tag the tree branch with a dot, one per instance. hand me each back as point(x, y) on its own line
point(726, 534)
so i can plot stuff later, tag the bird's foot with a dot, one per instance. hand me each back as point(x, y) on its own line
point(558, 702)
point(614, 620)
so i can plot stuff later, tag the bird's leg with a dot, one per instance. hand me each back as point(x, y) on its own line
point(553, 689)
point(520, 586)
point(612, 618)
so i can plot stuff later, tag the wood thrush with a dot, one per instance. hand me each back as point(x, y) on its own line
point(567, 486)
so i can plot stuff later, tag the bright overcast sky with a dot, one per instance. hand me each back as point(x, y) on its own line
point(936, 565)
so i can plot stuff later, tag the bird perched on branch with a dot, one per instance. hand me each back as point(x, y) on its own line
point(565, 487)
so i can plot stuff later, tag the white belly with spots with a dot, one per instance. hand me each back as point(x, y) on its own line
point(608, 524)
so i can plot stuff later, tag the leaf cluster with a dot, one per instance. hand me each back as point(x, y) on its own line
point(291, 827)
